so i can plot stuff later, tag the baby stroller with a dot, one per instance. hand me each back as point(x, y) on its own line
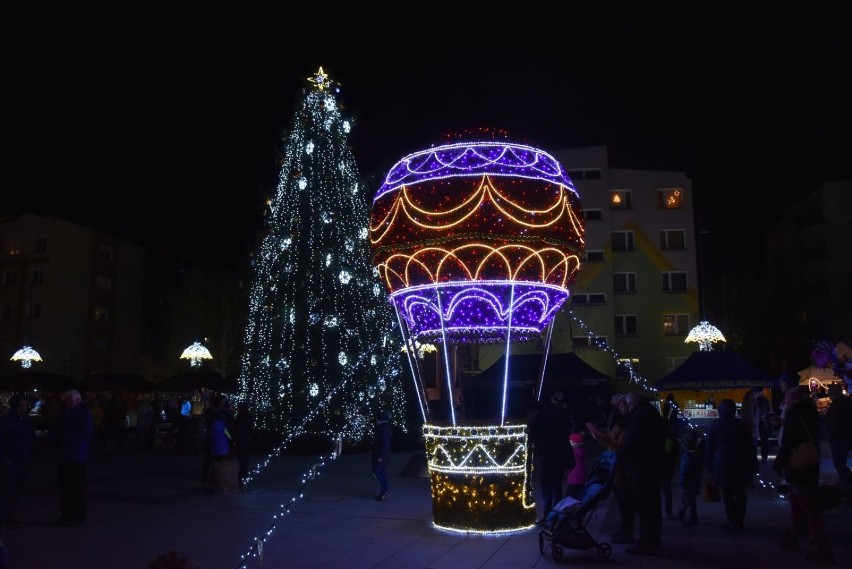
point(565, 526)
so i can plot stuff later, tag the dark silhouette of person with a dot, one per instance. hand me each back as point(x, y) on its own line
point(549, 431)
point(241, 436)
point(731, 459)
point(72, 433)
point(642, 452)
point(380, 453)
point(838, 426)
point(17, 444)
point(801, 424)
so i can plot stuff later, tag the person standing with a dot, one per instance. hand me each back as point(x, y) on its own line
point(690, 474)
point(549, 431)
point(17, 443)
point(380, 453)
point(73, 431)
point(731, 459)
point(575, 480)
point(611, 440)
point(216, 422)
point(838, 425)
point(642, 452)
point(241, 433)
point(801, 424)
point(764, 408)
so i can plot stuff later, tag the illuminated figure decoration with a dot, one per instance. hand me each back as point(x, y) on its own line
point(195, 353)
point(26, 356)
point(477, 242)
point(706, 335)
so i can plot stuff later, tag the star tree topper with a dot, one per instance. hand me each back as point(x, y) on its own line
point(321, 80)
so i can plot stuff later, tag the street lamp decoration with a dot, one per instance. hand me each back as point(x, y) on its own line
point(26, 356)
point(706, 335)
point(195, 353)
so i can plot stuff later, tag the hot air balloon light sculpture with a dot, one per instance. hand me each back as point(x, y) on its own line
point(477, 242)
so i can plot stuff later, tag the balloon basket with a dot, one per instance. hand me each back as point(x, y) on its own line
point(479, 477)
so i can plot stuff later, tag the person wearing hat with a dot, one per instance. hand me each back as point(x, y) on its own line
point(380, 453)
point(548, 432)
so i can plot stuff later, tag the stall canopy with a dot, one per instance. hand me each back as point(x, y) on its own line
point(114, 381)
point(194, 380)
point(713, 371)
point(560, 368)
point(41, 381)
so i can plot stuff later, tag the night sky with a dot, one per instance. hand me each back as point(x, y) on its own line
point(159, 125)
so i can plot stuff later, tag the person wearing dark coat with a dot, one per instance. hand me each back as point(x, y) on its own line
point(801, 423)
point(690, 472)
point(642, 452)
point(549, 431)
point(17, 444)
point(73, 431)
point(730, 456)
point(380, 453)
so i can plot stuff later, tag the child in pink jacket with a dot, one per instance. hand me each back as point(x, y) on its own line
point(576, 478)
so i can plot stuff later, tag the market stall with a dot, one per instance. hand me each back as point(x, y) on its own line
point(707, 377)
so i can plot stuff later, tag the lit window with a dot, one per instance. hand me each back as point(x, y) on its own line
point(101, 314)
point(12, 247)
point(676, 324)
point(620, 199)
point(670, 198)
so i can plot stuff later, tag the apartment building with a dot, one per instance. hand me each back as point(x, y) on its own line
point(636, 296)
point(71, 293)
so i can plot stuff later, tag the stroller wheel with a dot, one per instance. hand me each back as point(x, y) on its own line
point(604, 550)
point(556, 552)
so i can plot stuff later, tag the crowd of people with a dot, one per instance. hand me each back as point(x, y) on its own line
point(74, 428)
point(663, 462)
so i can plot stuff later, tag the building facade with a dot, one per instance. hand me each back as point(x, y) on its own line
point(637, 293)
point(72, 294)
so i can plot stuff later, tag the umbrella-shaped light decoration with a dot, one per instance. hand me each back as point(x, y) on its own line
point(26, 356)
point(195, 353)
point(706, 335)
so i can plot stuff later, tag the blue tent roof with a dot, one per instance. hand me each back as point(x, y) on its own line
point(709, 371)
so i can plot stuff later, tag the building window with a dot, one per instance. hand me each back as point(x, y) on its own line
point(593, 214)
point(594, 256)
point(101, 314)
point(10, 278)
point(670, 198)
point(598, 298)
point(620, 199)
point(37, 276)
point(624, 282)
point(594, 342)
point(623, 241)
point(105, 253)
point(33, 310)
point(672, 239)
point(12, 247)
point(103, 283)
point(100, 346)
point(674, 281)
point(40, 245)
point(5, 311)
point(676, 324)
point(626, 325)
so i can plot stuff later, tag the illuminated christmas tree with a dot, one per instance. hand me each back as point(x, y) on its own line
point(319, 355)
